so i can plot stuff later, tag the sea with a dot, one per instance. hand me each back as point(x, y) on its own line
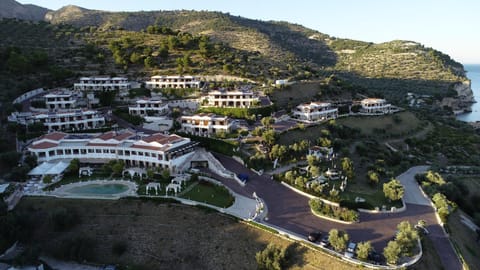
point(473, 73)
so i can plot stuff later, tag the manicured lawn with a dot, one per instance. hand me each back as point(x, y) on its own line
point(209, 193)
point(376, 198)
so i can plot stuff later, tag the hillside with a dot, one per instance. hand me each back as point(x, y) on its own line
point(13, 9)
point(201, 42)
point(403, 64)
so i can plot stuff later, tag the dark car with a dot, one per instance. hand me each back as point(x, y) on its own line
point(375, 257)
point(325, 242)
point(314, 236)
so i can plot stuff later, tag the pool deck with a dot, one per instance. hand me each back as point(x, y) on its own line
point(63, 191)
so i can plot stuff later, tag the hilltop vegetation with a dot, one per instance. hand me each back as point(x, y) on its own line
point(140, 44)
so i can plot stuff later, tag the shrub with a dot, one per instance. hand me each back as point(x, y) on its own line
point(341, 213)
point(271, 258)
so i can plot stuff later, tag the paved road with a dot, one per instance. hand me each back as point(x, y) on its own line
point(290, 210)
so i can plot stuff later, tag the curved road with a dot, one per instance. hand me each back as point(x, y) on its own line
point(290, 210)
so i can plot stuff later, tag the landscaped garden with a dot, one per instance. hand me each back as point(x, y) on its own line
point(209, 193)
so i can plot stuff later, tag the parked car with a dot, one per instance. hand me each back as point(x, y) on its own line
point(314, 236)
point(325, 242)
point(350, 250)
point(422, 229)
point(375, 257)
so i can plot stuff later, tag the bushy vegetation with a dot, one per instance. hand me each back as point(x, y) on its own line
point(132, 119)
point(271, 258)
point(405, 243)
point(331, 211)
point(338, 239)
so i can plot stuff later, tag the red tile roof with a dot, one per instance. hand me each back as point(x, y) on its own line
point(149, 147)
point(161, 138)
point(107, 135)
point(43, 145)
point(54, 136)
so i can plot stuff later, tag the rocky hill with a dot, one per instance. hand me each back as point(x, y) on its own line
point(13, 9)
point(260, 50)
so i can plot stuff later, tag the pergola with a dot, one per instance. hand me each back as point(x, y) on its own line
point(135, 171)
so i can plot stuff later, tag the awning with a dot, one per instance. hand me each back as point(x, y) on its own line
point(50, 168)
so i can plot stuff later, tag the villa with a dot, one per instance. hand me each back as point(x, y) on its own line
point(157, 150)
point(375, 106)
point(59, 100)
point(206, 124)
point(315, 111)
point(102, 83)
point(231, 99)
point(61, 120)
point(148, 107)
point(172, 82)
point(320, 152)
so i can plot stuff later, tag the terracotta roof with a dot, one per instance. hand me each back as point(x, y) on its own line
point(54, 136)
point(43, 145)
point(101, 144)
point(124, 136)
point(158, 137)
point(149, 147)
point(107, 135)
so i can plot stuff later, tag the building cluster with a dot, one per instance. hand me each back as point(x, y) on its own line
point(157, 150)
point(240, 98)
point(102, 83)
point(322, 111)
point(173, 82)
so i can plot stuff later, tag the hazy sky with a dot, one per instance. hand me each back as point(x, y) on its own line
point(451, 26)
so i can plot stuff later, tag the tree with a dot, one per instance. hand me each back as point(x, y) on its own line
point(135, 58)
point(406, 237)
point(314, 170)
point(73, 167)
point(278, 151)
point(267, 121)
point(271, 258)
point(163, 52)
point(441, 203)
point(393, 190)
point(149, 62)
point(338, 239)
point(311, 159)
point(347, 167)
point(373, 177)
point(269, 136)
point(363, 249)
point(118, 167)
point(392, 252)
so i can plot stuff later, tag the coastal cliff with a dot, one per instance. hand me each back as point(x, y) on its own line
point(464, 99)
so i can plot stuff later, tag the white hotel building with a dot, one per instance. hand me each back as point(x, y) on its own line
point(147, 107)
point(231, 99)
point(375, 106)
point(315, 111)
point(172, 82)
point(157, 150)
point(62, 120)
point(206, 124)
point(102, 83)
point(60, 100)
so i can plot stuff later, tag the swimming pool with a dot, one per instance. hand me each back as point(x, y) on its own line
point(98, 189)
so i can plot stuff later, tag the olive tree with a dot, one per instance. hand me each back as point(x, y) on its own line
point(363, 249)
point(393, 190)
point(338, 239)
point(392, 252)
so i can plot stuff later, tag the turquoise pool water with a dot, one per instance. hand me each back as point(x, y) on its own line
point(98, 189)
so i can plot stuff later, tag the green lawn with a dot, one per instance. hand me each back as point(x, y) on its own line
point(210, 193)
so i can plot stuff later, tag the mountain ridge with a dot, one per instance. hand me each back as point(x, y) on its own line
point(13, 9)
point(287, 50)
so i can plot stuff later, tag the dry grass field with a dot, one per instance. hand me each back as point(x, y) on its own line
point(164, 236)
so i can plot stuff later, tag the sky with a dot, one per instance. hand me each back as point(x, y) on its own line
point(451, 26)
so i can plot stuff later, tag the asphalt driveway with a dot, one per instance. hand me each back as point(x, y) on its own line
point(290, 210)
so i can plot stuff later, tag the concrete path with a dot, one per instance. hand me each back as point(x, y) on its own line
point(413, 193)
